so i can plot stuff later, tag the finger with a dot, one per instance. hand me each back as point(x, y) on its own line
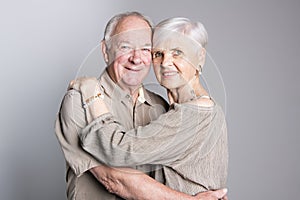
point(71, 84)
point(76, 85)
point(220, 193)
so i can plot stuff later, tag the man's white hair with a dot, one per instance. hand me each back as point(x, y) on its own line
point(113, 22)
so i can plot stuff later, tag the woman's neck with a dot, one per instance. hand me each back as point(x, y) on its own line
point(187, 92)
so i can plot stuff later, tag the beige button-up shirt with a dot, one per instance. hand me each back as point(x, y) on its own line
point(71, 118)
point(190, 142)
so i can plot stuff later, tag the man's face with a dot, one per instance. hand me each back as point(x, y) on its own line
point(129, 53)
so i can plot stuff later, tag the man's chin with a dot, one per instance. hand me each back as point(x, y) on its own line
point(132, 82)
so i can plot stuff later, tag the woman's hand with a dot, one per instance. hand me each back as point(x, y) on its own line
point(92, 95)
point(87, 86)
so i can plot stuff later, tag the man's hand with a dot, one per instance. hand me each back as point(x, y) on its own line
point(213, 195)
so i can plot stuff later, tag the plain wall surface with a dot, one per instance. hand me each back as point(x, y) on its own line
point(255, 45)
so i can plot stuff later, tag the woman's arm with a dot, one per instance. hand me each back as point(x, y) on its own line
point(163, 141)
point(124, 182)
point(132, 184)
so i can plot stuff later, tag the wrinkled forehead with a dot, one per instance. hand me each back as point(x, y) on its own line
point(136, 37)
point(166, 40)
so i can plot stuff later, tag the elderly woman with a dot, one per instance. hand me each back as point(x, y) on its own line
point(189, 141)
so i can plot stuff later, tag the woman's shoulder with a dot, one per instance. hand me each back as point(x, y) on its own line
point(156, 99)
point(203, 102)
point(205, 106)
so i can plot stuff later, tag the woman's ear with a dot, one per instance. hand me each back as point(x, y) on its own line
point(104, 51)
point(202, 55)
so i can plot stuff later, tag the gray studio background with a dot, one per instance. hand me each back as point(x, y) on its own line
point(255, 45)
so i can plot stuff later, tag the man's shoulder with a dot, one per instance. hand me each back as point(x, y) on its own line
point(157, 99)
point(71, 96)
point(71, 102)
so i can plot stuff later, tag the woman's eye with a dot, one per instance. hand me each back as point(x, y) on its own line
point(157, 54)
point(177, 52)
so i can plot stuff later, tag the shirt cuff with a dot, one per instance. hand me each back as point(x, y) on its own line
point(96, 123)
point(86, 166)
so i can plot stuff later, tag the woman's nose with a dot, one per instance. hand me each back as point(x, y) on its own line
point(167, 60)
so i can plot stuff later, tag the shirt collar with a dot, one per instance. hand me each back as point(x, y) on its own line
point(112, 90)
point(144, 96)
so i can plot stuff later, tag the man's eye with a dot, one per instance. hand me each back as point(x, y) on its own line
point(146, 50)
point(177, 52)
point(157, 54)
point(125, 48)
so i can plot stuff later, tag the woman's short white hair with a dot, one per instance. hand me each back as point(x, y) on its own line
point(113, 22)
point(194, 30)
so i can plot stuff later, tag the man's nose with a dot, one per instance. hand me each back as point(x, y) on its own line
point(136, 56)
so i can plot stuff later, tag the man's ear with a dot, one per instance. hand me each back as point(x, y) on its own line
point(202, 55)
point(104, 51)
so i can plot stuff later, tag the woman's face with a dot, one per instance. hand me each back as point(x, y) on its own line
point(175, 59)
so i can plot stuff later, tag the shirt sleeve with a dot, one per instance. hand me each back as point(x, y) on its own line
point(163, 141)
point(70, 120)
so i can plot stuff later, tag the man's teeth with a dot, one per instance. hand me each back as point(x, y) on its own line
point(132, 69)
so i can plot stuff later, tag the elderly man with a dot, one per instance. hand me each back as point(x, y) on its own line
point(127, 52)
